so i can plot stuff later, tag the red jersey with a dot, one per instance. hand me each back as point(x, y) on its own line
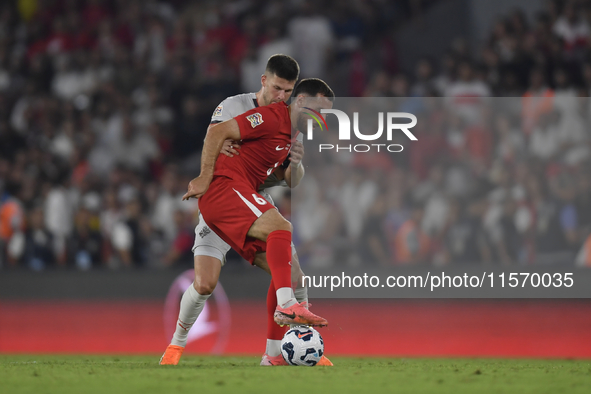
point(266, 142)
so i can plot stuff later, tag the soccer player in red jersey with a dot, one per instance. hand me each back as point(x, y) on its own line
point(252, 225)
point(277, 84)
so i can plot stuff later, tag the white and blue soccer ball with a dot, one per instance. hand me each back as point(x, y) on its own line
point(302, 345)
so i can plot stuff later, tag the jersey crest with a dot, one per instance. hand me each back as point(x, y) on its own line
point(218, 111)
point(255, 119)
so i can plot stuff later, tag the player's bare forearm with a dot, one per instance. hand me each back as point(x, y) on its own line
point(229, 147)
point(211, 149)
point(293, 178)
point(213, 143)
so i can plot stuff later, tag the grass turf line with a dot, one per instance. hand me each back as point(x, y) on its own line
point(209, 374)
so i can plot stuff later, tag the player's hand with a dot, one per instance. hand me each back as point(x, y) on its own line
point(197, 188)
point(296, 153)
point(229, 148)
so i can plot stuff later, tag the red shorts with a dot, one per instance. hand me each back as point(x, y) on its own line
point(230, 208)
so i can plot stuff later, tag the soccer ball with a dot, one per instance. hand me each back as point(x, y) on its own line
point(302, 346)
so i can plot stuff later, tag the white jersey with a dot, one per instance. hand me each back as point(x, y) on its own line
point(237, 105)
point(234, 106)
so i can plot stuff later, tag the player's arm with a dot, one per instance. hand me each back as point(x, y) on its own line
point(211, 149)
point(295, 171)
point(223, 112)
point(229, 146)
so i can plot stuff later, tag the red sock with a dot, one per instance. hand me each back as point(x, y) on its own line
point(274, 331)
point(279, 258)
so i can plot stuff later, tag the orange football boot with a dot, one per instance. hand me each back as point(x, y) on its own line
point(172, 355)
point(298, 314)
point(325, 362)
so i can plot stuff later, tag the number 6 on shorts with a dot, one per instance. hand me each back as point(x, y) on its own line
point(259, 200)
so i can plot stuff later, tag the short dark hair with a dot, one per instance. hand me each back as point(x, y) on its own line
point(312, 87)
point(284, 67)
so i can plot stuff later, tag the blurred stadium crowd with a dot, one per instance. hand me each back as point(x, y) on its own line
point(104, 106)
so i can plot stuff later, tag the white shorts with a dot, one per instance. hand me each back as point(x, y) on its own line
point(208, 243)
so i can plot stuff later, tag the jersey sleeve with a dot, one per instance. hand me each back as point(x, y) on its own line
point(223, 112)
point(258, 122)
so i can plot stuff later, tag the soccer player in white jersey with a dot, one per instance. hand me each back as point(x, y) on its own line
point(210, 250)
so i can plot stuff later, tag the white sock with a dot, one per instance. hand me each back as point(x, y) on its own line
point(301, 294)
point(285, 297)
point(273, 347)
point(192, 304)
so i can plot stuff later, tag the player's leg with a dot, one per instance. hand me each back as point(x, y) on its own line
point(272, 355)
point(301, 293)
point(207, 273)
point(297, 275)
point(275, 333)
point(209, 253)
point(276, 231)
point(250, 222)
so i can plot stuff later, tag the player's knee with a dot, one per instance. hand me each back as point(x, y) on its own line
point(277, 225)
point(204, 287)
point(284, 225)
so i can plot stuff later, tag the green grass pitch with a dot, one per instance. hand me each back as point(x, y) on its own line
point(208, 374)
